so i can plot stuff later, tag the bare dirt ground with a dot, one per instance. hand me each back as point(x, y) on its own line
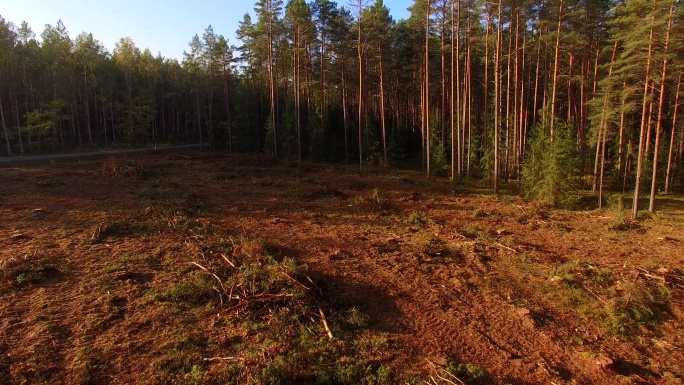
point(418, 282)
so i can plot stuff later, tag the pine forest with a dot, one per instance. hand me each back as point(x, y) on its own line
point(468, 89)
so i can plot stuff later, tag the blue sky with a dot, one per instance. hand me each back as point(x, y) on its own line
point(164, 26)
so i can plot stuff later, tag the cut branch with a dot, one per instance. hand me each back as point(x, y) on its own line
point(325, 323)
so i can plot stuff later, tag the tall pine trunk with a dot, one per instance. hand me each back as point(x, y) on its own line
point(556, 64)
point(345, 115)
point(454, 76)
point(442, 110)
point(427, 86)
point(271, 84)
point(298, 95)
point(622, 169)
point(485, 139)
point(603, 128)
point(87, 106)
point(522, 113)
point(497, 91)
point(360, 54)
point(644, 118)
point(508, 105)
point(536, 81)
point(4, 127)
point(468, 92)
point(659, 126)
point(382, 112)
point(516, 94)
point(226, 95)
point(460, 97)
point(668, 178)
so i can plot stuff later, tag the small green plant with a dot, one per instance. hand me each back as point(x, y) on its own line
point(192, 293)
point(127, 167)
point(624, 224)
point(644, 303)
point(118, 229)
point(372, 202)
point(417, 218)
point(616, 203)
point(355, 371)
point(177, 367)
point(329, 191)
point(80, 369)
point(551, 171)
point(469, 373)
point(50, 183)
point(356, 319)
point(591, 291)
point(479, 213)
point(38, 214)
point(23, 271)
point(440, 164)
point(195, 375)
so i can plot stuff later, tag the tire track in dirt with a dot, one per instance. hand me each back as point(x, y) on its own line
point(466, 323)
point(430, 302)
point(438, 321)
point(561, 241)
point(457, 332)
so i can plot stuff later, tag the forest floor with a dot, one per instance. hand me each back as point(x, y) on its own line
point(204, 269)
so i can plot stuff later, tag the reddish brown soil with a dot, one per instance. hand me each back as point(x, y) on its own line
point(445, 274)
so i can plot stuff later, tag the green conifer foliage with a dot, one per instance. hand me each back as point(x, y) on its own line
point(550, 172)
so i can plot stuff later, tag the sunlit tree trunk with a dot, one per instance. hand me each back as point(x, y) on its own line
point(4, 127)
point(497, 91)
point(427, 88)
point(681, 149)
point(668, 178)
point(345, 115)
point(226, 95)
point(452, 101)
point(199, 117)
point(17, 118)
point(516, 94)
point(382, 112)
point(659, 125)
point(522, 113)
point(469, 95)
point(323, 84)
point(271, 86)
point(442, 110)
point(422, 118)
point(87, 106)
point(603, 130)
point(622, 169)
point(298, 93)
point(508, 106)
point(536, 81)
point(640, 154)
point(485, 138)
point(360, 55)
point(649, 124)
point(570, 96)
point(556, 64)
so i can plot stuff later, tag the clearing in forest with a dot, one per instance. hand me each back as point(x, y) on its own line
point(233, 269)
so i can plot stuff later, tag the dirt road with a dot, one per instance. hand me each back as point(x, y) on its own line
point(17, 160)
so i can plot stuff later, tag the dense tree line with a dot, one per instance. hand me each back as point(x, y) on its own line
point(462, 87)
